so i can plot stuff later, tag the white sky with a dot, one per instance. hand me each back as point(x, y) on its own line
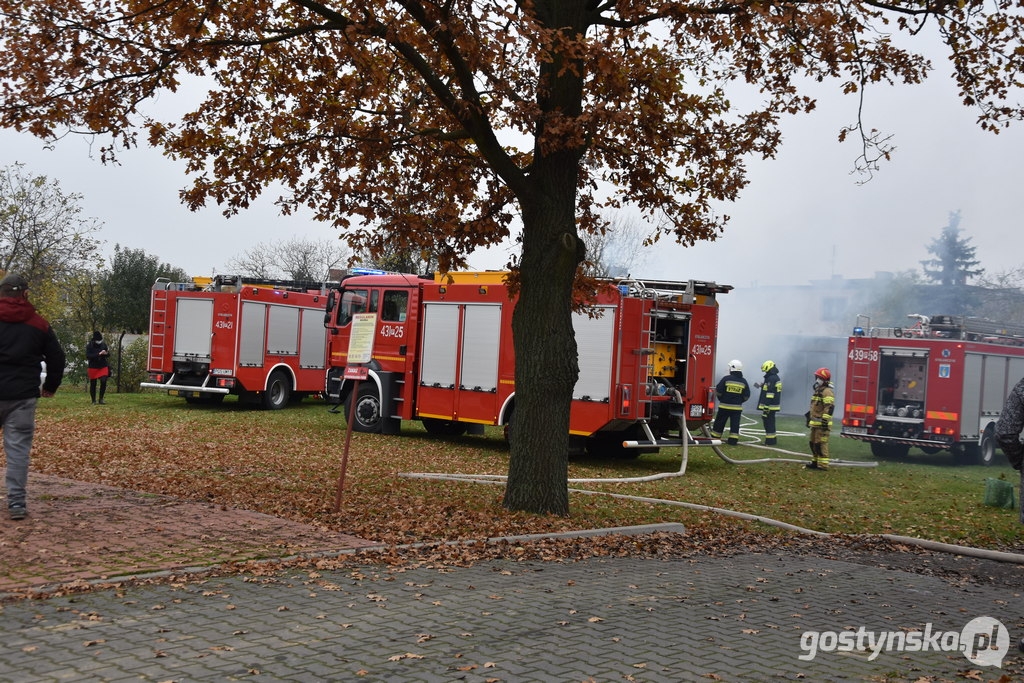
point(802, 218)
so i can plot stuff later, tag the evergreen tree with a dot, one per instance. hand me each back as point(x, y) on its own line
point(952, 265)
point(954, 262)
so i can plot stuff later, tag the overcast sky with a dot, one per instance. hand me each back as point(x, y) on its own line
point(803, 217)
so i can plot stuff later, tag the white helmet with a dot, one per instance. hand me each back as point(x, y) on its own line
point(735, 366)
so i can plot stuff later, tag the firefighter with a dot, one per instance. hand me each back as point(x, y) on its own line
point(819, 418)
point(770, 400)
point(732, 391)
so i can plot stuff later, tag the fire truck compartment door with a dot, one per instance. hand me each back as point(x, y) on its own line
point(283, 331)
point(313, 345)
point(480, 338)
point(193, 328)
point(595, 339)
point(251, 337)
point(440, 344)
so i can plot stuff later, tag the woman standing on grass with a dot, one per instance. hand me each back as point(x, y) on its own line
point(97, 354)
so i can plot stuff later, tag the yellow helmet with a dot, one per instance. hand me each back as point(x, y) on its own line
point(767, 365)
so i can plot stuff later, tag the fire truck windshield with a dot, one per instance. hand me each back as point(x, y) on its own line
point(352, 301)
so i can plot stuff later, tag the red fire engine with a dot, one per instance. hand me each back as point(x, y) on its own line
point(263, 340)
point(443, 354)
point(939, 384)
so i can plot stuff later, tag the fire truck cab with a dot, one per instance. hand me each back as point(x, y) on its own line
point(937, 384)
point(443, 354)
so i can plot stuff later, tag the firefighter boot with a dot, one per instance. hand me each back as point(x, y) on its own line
point(813, 464)
point(770, 441)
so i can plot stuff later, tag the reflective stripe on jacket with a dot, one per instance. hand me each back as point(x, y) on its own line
point(823, 402)
point(732, 391)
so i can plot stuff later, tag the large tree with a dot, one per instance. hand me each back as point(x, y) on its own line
point(460, 118)
point(43, 234)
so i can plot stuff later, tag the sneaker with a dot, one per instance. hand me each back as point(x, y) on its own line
point(17, 511)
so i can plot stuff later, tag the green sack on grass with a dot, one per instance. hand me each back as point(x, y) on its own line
point(999, 494)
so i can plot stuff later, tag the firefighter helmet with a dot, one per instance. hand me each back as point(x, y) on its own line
point(824, 374)
point(735, 366)
point(767, 365)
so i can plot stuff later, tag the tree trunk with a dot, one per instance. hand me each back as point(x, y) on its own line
point(546, 366)
point(545, 346)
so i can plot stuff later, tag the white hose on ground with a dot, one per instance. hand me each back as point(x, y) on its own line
point(935, 546)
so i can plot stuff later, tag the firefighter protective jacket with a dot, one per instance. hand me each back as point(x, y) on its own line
point(823, 402)
point(733, 391)
point(771, 391)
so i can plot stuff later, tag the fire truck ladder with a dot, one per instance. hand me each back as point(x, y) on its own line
point(860, 367)
point(158, 323)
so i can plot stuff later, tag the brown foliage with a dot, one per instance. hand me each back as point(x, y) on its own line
point(441, 124)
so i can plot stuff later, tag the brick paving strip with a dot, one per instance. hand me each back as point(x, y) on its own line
point(78, 531)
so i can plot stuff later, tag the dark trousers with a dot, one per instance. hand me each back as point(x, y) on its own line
point(769, 427)
point(92, 388)
point(733, 417)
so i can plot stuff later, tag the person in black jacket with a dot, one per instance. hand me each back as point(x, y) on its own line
point(1008, 430)
point(732, 391)
point(98, 356)
point(26, 342)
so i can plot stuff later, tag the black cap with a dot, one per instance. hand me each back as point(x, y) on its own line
point(13, 282)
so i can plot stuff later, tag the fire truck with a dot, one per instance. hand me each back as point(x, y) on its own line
point(263, 340)
point(442, 353)
point(937, 384)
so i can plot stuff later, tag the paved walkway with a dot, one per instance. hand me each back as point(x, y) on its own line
point(78, 531)
point(751, 617)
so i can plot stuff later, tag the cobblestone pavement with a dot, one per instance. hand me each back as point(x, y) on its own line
point(745, 617)
point(739, 618)
point(81, 531)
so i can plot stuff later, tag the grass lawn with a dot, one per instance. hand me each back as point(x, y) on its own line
point(287, 463)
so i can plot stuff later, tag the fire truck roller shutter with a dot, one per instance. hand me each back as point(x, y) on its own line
point(595, 347)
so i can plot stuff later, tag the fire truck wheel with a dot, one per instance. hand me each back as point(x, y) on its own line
point(988, 447)
point(443, 427)
point(366, 417)
point(278, 391)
